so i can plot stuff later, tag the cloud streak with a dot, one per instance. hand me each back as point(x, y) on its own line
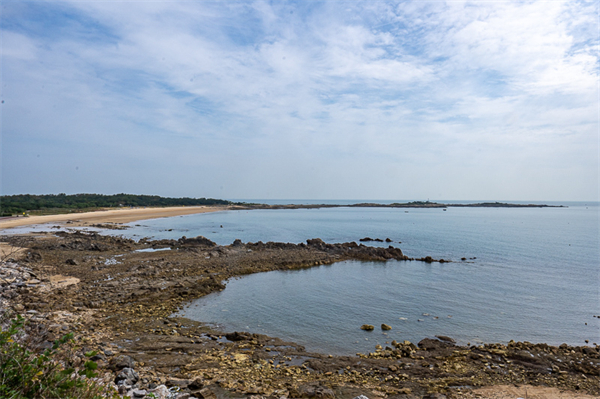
point(306, 100)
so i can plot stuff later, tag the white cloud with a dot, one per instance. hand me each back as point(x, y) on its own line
point(15, 45)
point(375, 86)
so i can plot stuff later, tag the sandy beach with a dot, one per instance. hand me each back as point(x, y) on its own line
point(122, 215)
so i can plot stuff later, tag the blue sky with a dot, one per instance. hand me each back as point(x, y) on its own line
point(305, 100)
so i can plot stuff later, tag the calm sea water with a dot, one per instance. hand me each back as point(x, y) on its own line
point(535, 278)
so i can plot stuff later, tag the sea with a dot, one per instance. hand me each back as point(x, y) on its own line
point(529, 274)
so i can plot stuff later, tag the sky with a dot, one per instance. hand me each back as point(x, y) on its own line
point(486, 100)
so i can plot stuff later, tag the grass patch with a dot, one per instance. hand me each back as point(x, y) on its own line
point(50, 374)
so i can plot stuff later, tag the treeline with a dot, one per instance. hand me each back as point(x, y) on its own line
point(17, 204)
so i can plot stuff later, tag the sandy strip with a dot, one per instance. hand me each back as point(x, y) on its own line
point(525, 392)
point(121, 215)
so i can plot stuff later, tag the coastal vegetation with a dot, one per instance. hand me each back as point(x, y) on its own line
point(24, 373)
point(62, 203)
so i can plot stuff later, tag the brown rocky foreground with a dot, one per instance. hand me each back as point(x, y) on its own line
point(119, 302)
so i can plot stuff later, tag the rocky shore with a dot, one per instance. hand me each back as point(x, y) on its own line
point(119, 301)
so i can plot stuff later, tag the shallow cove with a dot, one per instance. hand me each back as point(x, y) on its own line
point(323, 308)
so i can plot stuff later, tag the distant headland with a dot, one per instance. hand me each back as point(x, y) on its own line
point(51, 204)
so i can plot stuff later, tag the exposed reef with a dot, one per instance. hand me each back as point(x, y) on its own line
point(120, 301)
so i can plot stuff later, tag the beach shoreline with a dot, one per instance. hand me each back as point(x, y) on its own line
point(122, 302)
point(111, 216)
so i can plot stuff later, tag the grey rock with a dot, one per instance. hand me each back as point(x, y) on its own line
point(160, 392)
point(178, 382)
point(120, 362)
point(137, 393)
point(445, 339)
point(127, 376)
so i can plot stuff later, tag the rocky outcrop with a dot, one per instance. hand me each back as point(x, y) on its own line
point(125, 311)
point(367, 327)
point(198, 241)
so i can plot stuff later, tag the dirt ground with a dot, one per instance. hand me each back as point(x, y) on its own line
point(526, 392)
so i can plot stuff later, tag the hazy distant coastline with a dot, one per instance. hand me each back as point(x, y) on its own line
point(413, 204)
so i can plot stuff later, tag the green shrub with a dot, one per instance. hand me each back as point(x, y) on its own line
point(47, 375)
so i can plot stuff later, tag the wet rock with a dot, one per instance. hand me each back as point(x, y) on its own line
point(367, 239)
point(593, 352)
point(386, 327)
point(196, 241)
point(72, 262)
point(239, 336)
point(360, 397)
point(445, 339)
point(432, 344)
point(367, 327)
point(315, 242)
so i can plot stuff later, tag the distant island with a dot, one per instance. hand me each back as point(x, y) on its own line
point(11, 205)
point(412, 204)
